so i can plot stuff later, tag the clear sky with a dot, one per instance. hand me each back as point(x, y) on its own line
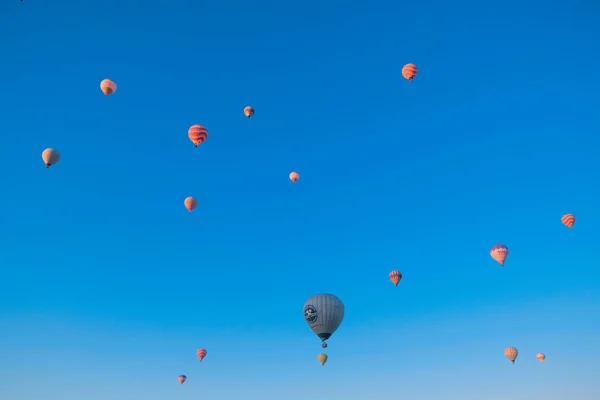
point(108, 285)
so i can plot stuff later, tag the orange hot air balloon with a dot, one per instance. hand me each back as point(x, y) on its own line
point(50, 157)
point(396, 277)
point(197, 134)
point(190, 203)
point(409, 71)
point(201, 353)
point(181, 378)
point(568, 220)
point(248, 111)
point(294, 176)
point(108, 87)
point(511, 353)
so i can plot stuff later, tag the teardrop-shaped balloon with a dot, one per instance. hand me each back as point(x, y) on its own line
point(568, 220)
point(322, 358)
point(294, 176)
point(190, 203)
point(499, 252)
point(323, 313)
point(248, 111)
point(396, 277)
point(108, 87)
point(197, 134)
point(50, 157)
point(201, 353)
point(409, 71)
point(181, 378)
point(541, 357)
point(511, 353)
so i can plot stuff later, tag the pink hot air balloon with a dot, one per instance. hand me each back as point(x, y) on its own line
point(108, 87)
point(190, 203)
point(50, 157)
point(499, 252)
point(201, 353)
point(294, 176)
point(181, 378)
point(197, 134)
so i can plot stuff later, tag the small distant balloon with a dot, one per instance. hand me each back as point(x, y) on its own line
point(201, 353)
point(181, 378)
point(190, 203)
point(322, 358)
point(50, 157)
point(511, 353)
point(396, 277)
point(409, 71)
point(294, 176)
point(108, 87)
point(248, 111)
point(541, 357)
point(499, 252)
point(568, 220)
point(197, 134)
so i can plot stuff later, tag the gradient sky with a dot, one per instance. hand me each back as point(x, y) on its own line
point(108, 285)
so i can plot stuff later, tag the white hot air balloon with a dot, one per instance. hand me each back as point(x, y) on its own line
point(323, 314)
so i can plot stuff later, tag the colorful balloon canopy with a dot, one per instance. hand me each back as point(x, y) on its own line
point(511, 353)
point(181, 378)
point(201, 353)
point(190, 203)
point(322, 358)
point(50, 157)
point(197, 134)
point(541, 357)
point(568, 220)
point(294, 176)
point(108, 87)
point(395, 277)
point(248, 111)
point(323, 313)
point(499, 252)
point(409, 71)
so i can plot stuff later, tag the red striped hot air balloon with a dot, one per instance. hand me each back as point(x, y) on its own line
point(108, 87)
point(294, 176)
point(499, 252)
point(190, 203)
point(201, 353)
point(248, 111)
point(197, 134)
point(409, 71)
point(181, 378)
point(396, 277)
point(568, 220)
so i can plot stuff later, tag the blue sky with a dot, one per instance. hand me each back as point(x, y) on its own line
point(109, 285)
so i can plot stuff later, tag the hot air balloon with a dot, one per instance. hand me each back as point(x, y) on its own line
point(499, 252)
point(197, 134)
point(409, 71)
point(190, 203)
point(322, 358)
point(511, 353)
point(323, 314)
point(201, 353)
point(294, 176)
point(181, 378)
point(108, 87)
point(50, 157)
point(568, 220)
point(396, 277)
point(248, 111)
point(541, 357)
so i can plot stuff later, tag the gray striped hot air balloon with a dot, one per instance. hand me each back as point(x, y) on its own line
point(323, 314)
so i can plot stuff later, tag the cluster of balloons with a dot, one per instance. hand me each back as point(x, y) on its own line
point(322, 312)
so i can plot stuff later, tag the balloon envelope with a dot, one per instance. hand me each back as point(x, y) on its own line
point(50, 157)
point(201, 353)
point(294, 176)
point(108, 87)
point(322, 358)
point(190, 203)
point(568, 220)
point(499, 252)
point(511, 353)
point(248, 111)
point(323, 313)
point(181, 378)
point(395, 277)
point(541, 357)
